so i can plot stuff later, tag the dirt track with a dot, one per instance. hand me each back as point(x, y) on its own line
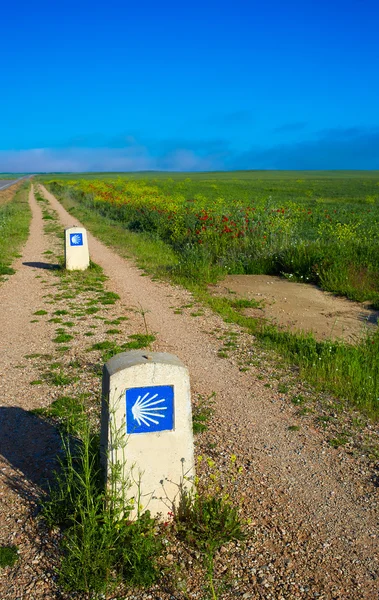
point(301, 307)
point(314, 509)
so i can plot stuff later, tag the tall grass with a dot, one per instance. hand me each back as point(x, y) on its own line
point(14, 228)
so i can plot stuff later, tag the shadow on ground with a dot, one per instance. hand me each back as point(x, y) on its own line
point(29, 447)
point(42, 265)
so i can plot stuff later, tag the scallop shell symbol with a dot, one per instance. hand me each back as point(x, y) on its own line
point(76, 239)
point(147, 410)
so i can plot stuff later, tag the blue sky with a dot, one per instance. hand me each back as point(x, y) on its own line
point(202, 85)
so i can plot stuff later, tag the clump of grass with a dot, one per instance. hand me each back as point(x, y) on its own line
point(105, 345)
point(58, 378)
point(8, 556)
point(202, 411)
point(108, 298)
point(340, 440)
point(139, 341)
point(61, 338)
point(283, 388)
point(4, 270)
point(242, 303)
point(40, 312)
point(298, 400)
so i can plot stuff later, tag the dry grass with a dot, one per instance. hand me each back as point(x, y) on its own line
point(7, 194)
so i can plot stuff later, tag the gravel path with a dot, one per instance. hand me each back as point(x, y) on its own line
point(28, 446)
point(313, 509)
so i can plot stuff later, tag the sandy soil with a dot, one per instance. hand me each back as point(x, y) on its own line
point(313, 509)
point(301, 307)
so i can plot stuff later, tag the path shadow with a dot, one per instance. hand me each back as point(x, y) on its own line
point(42, 265)
point(372, 318)
point(30, 447)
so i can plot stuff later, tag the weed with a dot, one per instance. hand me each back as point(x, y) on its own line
point(61, 338)
point(139, 340)
point(338, 441)
point(8, 556)
point(59, 378)
point(206, 520)
point(304, 411)
point(297, 400)
point(101, 545)
point(40, 312)
point(6, 270)
point(202, 412)
point(245, 303)
point(106, 345)
point(283, 388)
point(294, 428)
point(108, 298)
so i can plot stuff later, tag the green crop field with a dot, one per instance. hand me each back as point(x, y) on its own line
point(313, 227)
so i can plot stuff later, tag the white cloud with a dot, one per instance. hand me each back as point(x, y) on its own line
point(75, 160)
point(132, 158)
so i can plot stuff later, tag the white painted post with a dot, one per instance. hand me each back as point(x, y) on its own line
point(146, 398)
point(76, 249)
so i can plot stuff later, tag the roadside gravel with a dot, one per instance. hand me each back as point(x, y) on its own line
point(312, 509)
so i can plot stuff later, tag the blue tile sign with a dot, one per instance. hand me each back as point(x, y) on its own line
point(150, 409)
point(76, 239)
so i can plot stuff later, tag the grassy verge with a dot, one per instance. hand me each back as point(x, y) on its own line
point(14, 228)
point(350, 372)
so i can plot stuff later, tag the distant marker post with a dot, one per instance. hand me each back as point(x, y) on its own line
point(76, 249)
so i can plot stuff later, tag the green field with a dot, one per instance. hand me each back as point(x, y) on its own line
point(315, 227)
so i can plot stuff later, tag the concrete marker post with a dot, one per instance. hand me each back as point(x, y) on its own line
point(76, 249)
point(146, 399)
